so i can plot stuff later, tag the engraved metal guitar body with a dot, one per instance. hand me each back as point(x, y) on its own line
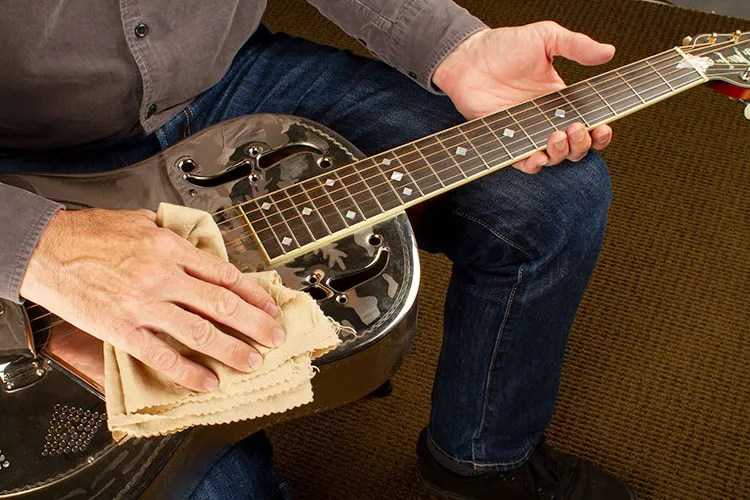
point(54, 441)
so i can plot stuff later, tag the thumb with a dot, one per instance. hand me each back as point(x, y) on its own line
point(575, 46)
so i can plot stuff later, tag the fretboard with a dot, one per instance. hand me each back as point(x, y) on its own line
point(313, 212)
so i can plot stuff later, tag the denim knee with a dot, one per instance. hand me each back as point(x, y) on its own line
point(508, 217)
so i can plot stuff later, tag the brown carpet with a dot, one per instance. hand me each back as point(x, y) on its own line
point(656, 384)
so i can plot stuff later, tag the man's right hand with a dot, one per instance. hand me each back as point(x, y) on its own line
point(119, 277)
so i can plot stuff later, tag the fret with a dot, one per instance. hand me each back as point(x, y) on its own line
point(325, 205)
point(342, 199)
point(379, 184)
point(615, 93)
point(488, 144)
point(648, 82)
point(559, 110)
point(419, 169)
point(399, 177)
point(278, 222)
point(308, 211)
point(522, 128)
point(442, 162)
point(573, 106)
point(266, 232)
point(534, 121)
point(358, 189)
point(262, 230)
point(551, 123)
point(601, 98)
point(635, 92)
point(660, 76)
point(466, 155)
point(292, 216)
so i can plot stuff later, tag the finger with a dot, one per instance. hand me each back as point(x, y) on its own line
point(150, 215)
point(207, 267)
point(227, 308)
point(557, 147)
point(601, 137)
point(157, 354)
point(533, 164)
point(579, 141)
point(202, 336)
point(576, 46)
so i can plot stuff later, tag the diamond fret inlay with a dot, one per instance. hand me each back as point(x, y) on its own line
point(350, 215)
point(397, 176)
point(386, 161)
point(306, 211)
point(330, 182)
point(508, 132)
point(286, 241)
point(461, 151)
point(560, 113)
point(407, 191)
point(265, 205)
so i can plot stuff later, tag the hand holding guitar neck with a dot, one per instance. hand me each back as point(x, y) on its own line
point(498, 68)
point(120, 278)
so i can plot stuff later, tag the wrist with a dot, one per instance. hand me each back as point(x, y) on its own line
point(448, 72)
point(43, 258)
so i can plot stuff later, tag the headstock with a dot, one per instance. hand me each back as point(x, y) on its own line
point(725, 59)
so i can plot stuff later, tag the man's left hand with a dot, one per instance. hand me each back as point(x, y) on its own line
point(498, 68)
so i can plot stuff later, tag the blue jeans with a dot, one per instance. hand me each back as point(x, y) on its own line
point(523, 247)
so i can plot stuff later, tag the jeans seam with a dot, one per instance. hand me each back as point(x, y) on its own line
point(493, 360)
point(498, 235)
point(188, 115)
point(477, 464)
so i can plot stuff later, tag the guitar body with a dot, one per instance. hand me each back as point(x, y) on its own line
point(54, 442)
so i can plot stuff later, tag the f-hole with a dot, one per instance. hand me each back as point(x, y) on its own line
point(244, 167)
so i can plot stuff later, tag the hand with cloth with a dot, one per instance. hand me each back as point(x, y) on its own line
point(123, 279)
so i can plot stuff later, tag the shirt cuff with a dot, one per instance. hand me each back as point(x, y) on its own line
point(427, 32)
point(23, 217)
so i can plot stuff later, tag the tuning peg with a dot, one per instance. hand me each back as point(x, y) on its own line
point(687, 40)
point(736, 36)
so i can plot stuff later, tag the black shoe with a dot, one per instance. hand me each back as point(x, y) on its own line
point(547, 475)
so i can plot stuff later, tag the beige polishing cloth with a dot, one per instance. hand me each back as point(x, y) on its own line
point(141, 402)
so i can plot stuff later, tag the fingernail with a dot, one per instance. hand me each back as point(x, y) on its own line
point(210, 383)
point(578, 133)
point(271, 309)
point(559, 145)
point(255, 360)
point(278, 337)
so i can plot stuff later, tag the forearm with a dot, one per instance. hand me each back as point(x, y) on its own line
point(412, 35)
point(23, 217)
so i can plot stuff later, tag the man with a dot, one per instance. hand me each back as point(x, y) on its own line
point(93, 85)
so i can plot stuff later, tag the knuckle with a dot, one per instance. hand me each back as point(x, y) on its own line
point(163, 359)
point(227, 274)
point(227, 303)
point(201, 333)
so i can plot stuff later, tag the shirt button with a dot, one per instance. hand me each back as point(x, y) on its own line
point(150, 111)
point(141, 30)
point(413, 75)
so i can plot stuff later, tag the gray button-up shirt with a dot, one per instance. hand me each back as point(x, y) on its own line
point(75, 72)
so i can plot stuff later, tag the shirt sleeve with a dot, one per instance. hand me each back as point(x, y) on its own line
point(23, 217)
point(414, 36)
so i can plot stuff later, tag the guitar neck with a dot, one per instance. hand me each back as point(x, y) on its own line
point(316, 211)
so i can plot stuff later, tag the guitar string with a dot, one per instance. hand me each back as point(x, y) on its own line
point(438, 171)
point(431, 166)
point(306, 193)
point(615, 77)
point(668, 52)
